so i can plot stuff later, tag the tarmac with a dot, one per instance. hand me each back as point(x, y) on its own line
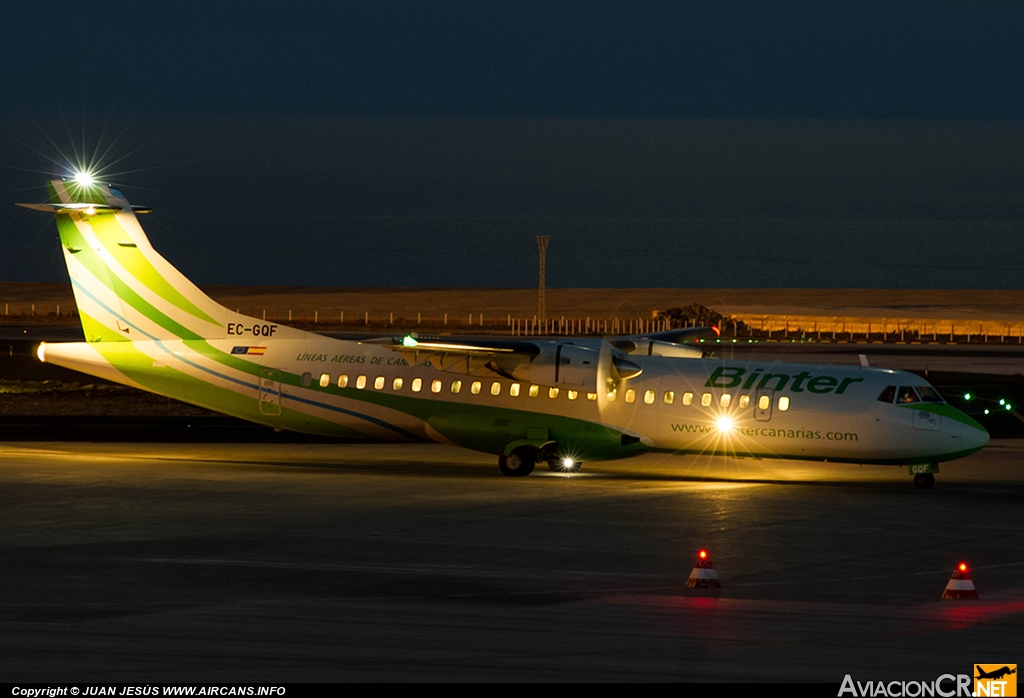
point(366, 562)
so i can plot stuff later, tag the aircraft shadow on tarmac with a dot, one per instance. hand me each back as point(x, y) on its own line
point(436, 469)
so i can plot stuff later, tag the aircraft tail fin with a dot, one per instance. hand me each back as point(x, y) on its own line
point(125, 290)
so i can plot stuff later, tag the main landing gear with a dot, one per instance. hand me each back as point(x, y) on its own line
point(521, 461)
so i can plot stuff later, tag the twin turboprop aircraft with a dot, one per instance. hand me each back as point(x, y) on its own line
point(560, 401)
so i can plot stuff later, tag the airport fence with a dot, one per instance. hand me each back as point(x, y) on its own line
point(760, 327)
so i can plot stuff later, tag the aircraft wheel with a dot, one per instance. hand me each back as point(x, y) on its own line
point(519, 463)
point(559, 465)
point(924, 480)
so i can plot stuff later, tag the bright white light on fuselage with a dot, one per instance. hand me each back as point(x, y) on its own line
point(84, 178)
point(567, 463)
point(724, 423)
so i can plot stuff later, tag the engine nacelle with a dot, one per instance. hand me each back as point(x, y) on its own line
point(655, 347)
point(568, 366)
point(652, 347)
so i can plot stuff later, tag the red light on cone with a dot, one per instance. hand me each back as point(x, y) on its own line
point(960, 585)
point(703, 574)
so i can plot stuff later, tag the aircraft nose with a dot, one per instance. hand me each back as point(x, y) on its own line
point(976, 438)
point(973, 435)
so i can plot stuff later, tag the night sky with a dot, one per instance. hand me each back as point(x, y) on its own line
point(875, 144)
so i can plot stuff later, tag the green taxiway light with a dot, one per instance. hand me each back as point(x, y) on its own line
point(986, 411)
point(967, 396)
point(1008, 406)
point(1002, 402)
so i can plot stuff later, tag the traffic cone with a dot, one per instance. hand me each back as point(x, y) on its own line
point(960, 585)
point(703, 575)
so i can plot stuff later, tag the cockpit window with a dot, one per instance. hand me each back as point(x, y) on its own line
point(928, 393)
point(888, 394)
point(907, 394)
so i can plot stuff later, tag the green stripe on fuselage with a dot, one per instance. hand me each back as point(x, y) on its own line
point(180, 385)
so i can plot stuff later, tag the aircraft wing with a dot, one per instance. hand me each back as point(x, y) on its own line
point(469, 356)
point(549, 362)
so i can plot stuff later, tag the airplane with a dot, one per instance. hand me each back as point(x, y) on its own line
point(995, 674)
point(559, 401)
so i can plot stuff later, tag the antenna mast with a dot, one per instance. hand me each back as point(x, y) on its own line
point(542, 247)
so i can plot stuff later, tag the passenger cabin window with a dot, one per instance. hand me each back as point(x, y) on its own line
point(435, 385)
point(630, 395)
point(325, 380)
point(764, 402)
point(783, 403)
point(649, 397)
point(307, 379)
point(687, 398)
point(378, 383)
point(907, 394)
point(361, 382)
point(591, 396)
point(417, 384)
point(726, 400)
point(928, 393)
point(744, 402)
point(611, 394)
point(514, 389)
point(705, 400)
point(456, 386)
point(343, 380)
point(475, 387)
point(888, 394)
point(552, 393)
point(495, 388)
point(397, 384)
point(670, 397)
point(571, 394)
point(534, 390)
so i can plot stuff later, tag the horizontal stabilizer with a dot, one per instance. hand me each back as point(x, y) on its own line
point(83, 207)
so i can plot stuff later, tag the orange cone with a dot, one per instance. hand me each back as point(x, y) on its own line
point(960, 585)
point(703, 575)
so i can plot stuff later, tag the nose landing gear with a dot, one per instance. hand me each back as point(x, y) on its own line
point(924, 480)
point(924, 475)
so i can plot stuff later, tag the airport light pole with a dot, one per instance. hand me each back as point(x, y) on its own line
point(542, 247)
